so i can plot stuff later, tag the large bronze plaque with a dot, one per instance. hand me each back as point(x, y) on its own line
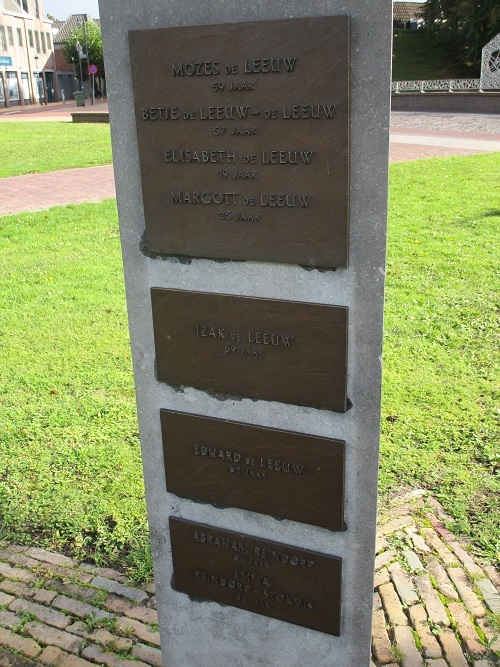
point(276, 350)
point(243, 135)
point(273, 579)
point(282, 473)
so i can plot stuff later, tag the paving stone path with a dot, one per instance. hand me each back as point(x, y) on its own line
point(434, 604)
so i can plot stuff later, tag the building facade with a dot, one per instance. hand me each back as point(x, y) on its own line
point(27, 63)
point(68, 73)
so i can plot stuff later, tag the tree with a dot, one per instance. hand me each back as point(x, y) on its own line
point(467, 24)
point(94, 45)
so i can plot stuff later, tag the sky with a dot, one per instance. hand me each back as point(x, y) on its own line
point(62, 9)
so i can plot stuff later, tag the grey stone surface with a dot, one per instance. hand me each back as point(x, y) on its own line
point(113, 586)
point(234, 637)
point(490, 595)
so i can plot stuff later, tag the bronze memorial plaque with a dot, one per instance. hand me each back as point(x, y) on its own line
point(278, 580)
point(262, 348)
point(285, 474)
point(243, 135)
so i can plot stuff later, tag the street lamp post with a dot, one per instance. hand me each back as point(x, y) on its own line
point(38, 80)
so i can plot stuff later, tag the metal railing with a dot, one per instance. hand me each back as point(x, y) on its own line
point(438, 85)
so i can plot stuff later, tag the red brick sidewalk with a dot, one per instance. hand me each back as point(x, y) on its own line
point(34, 192)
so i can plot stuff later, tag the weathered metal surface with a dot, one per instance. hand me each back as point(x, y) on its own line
point(270, 578)
point(263, 348)
point(243, 135)
point(284, 474)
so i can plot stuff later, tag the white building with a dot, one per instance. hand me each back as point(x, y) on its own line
point(27, 61)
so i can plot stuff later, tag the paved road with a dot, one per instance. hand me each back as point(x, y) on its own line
point(413, 136)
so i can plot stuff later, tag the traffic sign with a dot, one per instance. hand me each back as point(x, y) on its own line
point(92, 69)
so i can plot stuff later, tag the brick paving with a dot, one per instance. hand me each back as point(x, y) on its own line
point(35, 192)
point(434, 603)
point(104, 621)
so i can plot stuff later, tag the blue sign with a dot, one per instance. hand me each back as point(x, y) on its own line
point(5, 61)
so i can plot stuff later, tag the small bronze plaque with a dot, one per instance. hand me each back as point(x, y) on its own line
point(282, 473)
point(278, 580)
point(243, 136)
point(276, 350)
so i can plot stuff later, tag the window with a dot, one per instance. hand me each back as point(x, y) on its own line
point(42, 35)
point(3, 40)
point(25, 85)
point(26, 6)
point(10, 35)
point(12, 86)
point(48, 40)
point(19, 37)
point(37, 41)
point(30, 37)
point(37, 10)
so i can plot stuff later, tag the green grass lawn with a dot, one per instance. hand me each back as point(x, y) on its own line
point(440, 391)
point(421, 55)
point(28, 148)
point(70, 465)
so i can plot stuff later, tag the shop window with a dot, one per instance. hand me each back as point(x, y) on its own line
point(12, 86)
point(19, 37)
point(10, 35)
point(25, 85)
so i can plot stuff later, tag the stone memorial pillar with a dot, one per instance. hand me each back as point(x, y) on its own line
point(250, 144)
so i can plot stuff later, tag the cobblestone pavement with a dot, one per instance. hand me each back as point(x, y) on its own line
point(416, 136)
point(434, 604)
point(446, 122)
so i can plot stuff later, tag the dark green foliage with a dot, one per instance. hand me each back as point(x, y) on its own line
point(467, 24)
point(419, 54)
point(94, 43)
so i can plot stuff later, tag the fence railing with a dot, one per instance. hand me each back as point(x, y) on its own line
point(438, 85)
